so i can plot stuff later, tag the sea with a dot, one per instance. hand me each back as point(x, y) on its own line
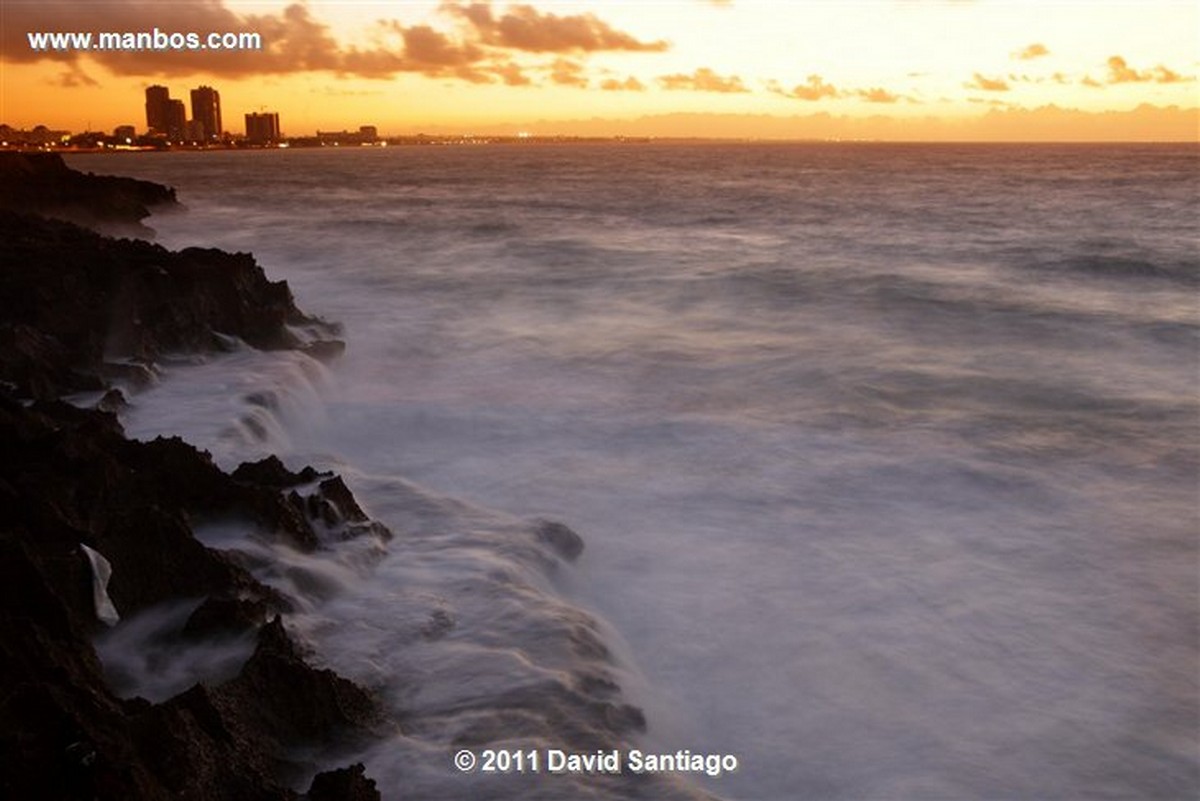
point(885, 458)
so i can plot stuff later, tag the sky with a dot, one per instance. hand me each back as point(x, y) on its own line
point(871, 69)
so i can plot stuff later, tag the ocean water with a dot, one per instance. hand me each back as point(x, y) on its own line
point(886, 457)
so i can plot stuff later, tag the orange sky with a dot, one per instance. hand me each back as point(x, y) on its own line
point(891, 69)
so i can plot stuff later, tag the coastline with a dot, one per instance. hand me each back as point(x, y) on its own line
point(86, 313)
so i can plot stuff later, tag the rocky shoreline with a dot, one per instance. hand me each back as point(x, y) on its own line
point(80, 312)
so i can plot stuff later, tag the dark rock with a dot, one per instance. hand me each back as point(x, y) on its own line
point(440, 624)
point(137, 375)
point(344, 784)
point(236, 740)
point(42, 183)
point(135, 502)
point(284, 696)
point(113, 401)
point(324, 350)
point(263, 400)
point(565, 542)
point(334, 505)
point(338, 494)
point(270, 472)
point(224, 616)
point(78, 310)
point(74, 302)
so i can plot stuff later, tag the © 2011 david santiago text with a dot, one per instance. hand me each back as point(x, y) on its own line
point(555, 760)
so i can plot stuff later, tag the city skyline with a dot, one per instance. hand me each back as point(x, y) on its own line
point(885, 69)
point(166, 117)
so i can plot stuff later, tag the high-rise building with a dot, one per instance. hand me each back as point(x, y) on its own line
point(165, 116)
point(262, 128)
point(206, 109)
point(158, 102)
point(176, 120)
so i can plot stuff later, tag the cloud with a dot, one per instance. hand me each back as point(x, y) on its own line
point(877, 95)
point(987, 84)
point(295, 41)
point(74, 77)
point(426, 48)
point(525, 28)
point(568, 73)
point(511, 74)
point(628, 85)
point(1164, 75)
point(814, 89)
point(704, 80)
point(1119, 71)
point(1091, 82)
point(1035, 50)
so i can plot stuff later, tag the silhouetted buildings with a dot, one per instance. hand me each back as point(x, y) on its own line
point(262, 128)
point(158, 104)
point(206, 111)
point(365, 135)
point(39, 135)
point(164, 115)
point(176, 120)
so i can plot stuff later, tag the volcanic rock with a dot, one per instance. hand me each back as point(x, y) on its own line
point(42, 183)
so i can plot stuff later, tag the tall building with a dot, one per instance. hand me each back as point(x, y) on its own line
point(262, 128)
point(165, 116)
point(206, 109)
point(158, 102)
point(176, 120)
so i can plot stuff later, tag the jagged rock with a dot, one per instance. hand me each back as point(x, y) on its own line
point(112, 401)
point(42, 183)
point(338, 494)
point(79, 309)
point(284, 696)
point(270, 472)
point(135, 502)
point(236, 739)
point(224, 616)
point(565, 542)
point(343, 784)
point(74, 301)
point(324, 350)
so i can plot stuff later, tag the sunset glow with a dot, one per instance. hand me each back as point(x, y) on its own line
point(889, 69)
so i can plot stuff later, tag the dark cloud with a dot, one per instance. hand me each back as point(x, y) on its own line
point(525, 28)
point(815, 88)
point(295, 41)
point(987, 84)
point(425, 47)
point(1030, 52)
point(74, 77)
point(704, 80)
